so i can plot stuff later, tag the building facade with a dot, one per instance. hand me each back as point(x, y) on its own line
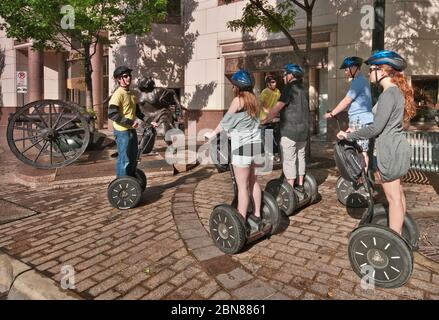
point(196, 53)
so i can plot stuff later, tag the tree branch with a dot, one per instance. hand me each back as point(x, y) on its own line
point(280, 26)
point(299, 4)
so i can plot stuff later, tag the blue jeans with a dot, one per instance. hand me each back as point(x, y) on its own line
point(127, 147)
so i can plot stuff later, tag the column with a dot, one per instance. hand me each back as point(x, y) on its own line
point(61, 56)
point(36, 75)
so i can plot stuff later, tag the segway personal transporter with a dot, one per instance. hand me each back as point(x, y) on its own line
point(352, 194)
point(125, 192)
point(228, 229)
point(288, 198)
point(375, 250)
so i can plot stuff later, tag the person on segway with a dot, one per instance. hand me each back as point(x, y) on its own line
point(395, 107)
point(268, 98)
point(242, 122)
point(126, 117)
point(358, 99)
point(294, 125)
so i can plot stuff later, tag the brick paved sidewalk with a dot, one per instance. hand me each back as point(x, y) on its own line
point(162, 250)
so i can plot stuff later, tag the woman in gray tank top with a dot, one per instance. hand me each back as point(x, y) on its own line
point(395, 106)
point(242, 122)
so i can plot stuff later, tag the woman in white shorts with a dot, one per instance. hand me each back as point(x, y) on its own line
point(242, 123)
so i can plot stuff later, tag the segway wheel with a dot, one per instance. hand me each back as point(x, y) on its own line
point(311, 188)
point(284, 194)
point(141, 178)
point(381, 255)
point(227, 229)
point(270, 212)
point(350, 195)
point(410, 230)
point(124, 193)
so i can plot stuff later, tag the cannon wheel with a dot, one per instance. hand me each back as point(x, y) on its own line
point(48, 134)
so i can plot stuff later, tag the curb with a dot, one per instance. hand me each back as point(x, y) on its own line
point(18, 281)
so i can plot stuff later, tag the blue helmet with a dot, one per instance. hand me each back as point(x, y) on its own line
point(243, 80)
point(350, 62)
point(295, 69)
point(387, 57)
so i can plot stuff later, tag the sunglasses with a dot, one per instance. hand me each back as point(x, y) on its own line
point(373, 69)
point(126, 75)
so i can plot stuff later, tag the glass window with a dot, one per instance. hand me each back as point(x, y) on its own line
point(426, 97)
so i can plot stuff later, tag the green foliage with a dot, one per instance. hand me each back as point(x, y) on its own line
point(40, 20)
point(260, 13)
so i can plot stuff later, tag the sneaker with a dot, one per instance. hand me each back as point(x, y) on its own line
point(258, 221)
point(301, 189)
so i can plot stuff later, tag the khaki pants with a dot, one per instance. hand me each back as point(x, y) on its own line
point(291, 152)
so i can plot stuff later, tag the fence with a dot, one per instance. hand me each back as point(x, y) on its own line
point(425, 150)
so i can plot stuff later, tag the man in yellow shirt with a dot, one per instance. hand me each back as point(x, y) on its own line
point(125, 114)
point(269, 96)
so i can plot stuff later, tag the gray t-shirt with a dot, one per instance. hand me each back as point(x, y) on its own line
point(392, 148)
point(243, 129)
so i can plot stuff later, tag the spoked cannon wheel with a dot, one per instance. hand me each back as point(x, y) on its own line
point(381, 255)
point(48, 134)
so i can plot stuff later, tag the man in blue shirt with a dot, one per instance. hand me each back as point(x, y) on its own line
point(358, 99)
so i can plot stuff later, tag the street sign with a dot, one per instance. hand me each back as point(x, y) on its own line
point(21, 81)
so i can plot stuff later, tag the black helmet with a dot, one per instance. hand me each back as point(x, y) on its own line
point(243, 80)
point(351, 61)
point(269, 78)
point(146, 84)
point(120, 71)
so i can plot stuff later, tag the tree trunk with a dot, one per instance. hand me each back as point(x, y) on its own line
point(88, 81)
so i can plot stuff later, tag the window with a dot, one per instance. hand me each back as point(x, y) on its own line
point(426, 97)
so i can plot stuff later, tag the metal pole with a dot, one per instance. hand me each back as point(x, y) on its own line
point(378, 38)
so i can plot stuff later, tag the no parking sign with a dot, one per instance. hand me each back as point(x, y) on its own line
point(21, 81)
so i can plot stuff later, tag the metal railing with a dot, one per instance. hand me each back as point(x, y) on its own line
point(424, 150)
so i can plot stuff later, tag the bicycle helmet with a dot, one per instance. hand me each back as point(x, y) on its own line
point(243, 80)
point(387, 57)
point(294, 69)
point(269, 78)
point(121, 70)
point(350, 62)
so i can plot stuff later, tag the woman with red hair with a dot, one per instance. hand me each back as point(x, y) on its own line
point(395, 107)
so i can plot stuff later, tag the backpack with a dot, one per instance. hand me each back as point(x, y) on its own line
point(349, 160)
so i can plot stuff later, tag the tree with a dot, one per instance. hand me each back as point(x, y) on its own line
point(279, 18)
point(78, 25)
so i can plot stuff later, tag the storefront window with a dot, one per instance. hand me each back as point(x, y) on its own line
point(426, 98)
